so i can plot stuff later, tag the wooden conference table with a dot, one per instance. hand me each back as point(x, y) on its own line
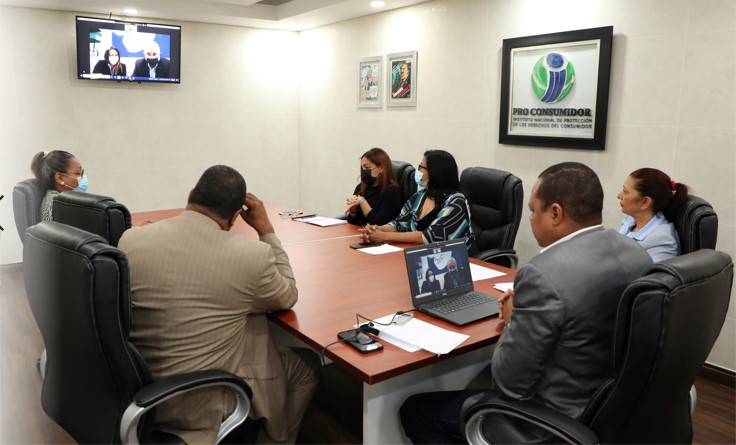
point(335, 282)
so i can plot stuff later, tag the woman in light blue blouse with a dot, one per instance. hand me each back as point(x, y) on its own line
point(650, 199)
point(437, 212)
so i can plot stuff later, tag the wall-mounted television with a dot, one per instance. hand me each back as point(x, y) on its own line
point(117, 50)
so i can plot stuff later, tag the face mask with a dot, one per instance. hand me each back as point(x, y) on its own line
point(114, 60)
point(365, 176)
point(452, 269)
point(82, 184)
point(431, 278)
point(418, 178)
point(152, 61)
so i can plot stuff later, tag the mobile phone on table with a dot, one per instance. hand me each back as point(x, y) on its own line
point(359, 341)
point(362, 245)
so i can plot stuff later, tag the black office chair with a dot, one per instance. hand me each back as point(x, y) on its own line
point(666, 325)
point(696, 224)
point(97, 214)
point(404, 175)
point(97, 387)
point(496, 200)
point(27, 197)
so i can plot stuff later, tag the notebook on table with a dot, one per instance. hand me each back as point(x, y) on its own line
point(441, 284)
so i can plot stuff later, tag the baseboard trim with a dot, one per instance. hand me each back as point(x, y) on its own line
point(11, 268)
point(719, 375)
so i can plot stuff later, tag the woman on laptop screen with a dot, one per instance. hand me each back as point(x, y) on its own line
point(437, 212)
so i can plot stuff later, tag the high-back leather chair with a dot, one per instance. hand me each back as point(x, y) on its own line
point(27, 197)
point(496, 200)
point(404, 175)
point(97, 387)
point(98, 214)
point(696, 224)
point(666, 325)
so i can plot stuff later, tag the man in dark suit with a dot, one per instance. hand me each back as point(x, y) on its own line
point(556, 349)
point(151, 65)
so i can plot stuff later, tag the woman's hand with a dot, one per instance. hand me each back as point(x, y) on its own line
point(351, 203)
point(372, 233)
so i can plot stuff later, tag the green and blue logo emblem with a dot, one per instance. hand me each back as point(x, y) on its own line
point(553, 78)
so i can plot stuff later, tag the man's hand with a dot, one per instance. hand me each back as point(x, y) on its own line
point(254, 214)
point(506, 305)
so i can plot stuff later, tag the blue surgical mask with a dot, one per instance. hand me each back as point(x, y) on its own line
point(418, 178)
point(82, 184)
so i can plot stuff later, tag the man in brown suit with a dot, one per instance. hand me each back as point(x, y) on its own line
point(200, 295)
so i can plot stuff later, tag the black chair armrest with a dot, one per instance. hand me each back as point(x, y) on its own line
point(490, 402)
point(157, 392)
point(502, 257)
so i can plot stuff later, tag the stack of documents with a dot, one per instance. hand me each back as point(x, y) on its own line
point(417, 334)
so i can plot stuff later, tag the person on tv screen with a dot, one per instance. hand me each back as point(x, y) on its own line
point(110, 65)
point(151, 65)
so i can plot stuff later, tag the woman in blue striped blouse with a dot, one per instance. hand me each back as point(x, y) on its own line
point(437, 212)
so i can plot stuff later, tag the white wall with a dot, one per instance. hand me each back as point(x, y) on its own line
point(281, 106)
point(672, 102)
point(146, 144)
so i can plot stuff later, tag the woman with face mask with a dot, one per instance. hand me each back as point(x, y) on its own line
point(58, 171)
point(430, 284)
point(110, 65)
point(377, 198)
point(437, 212)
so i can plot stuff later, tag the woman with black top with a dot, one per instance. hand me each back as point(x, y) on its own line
point(430, 284)
point(377, 199)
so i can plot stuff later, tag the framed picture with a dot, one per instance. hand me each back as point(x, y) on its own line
point(554, 89)
point(369, 82)
point(402, 79)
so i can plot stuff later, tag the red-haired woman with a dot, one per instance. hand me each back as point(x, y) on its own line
point(651, 198)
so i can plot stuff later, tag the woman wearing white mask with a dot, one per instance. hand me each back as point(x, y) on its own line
point(111, 65)
point(58, 171)
point(437, 212)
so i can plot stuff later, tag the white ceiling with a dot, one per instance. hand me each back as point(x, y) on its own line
point(292, 15)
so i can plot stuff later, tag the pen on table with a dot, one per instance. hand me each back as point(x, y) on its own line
point(303, 216)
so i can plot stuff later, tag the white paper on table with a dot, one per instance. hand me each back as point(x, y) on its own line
point(421, 334)
point(503, 287)
point(483, 273)
point(379, 250)
point(321, 221)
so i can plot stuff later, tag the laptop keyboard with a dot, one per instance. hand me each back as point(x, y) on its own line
point(462, 302)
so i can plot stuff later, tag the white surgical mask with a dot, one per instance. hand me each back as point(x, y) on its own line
point(431, 278)
point(114, 60)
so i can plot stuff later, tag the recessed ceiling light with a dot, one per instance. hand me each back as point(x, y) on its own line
point(130, 11)
point(377, 4)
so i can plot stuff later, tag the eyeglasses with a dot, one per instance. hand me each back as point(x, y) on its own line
point(75, 175)
point(421, 167)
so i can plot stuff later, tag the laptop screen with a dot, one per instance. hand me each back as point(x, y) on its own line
point(437, 270)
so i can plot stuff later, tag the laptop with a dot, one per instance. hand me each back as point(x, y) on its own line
point(441, 285)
